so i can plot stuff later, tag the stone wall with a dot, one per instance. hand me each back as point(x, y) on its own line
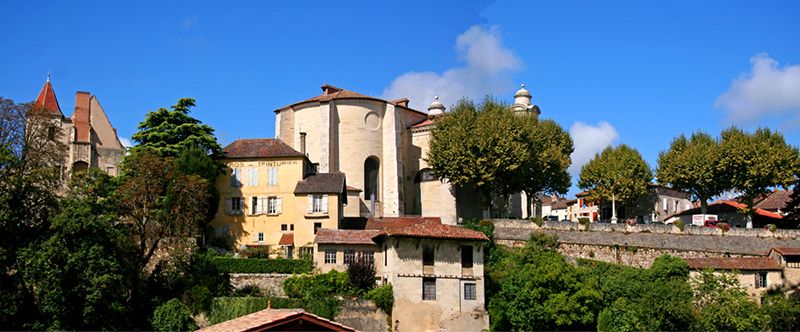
point(269, 283)
point(362, 315)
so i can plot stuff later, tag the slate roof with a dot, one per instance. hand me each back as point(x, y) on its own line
point(322, 183)
point(47, 100)
point(743, 245)
point(269, 319)
point(334, 93)
point(775, 201)
point(346, 236)
point(423, 227)
point(258, 148)
point(729, 263)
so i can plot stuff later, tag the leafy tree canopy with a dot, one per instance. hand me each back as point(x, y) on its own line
point(692, 165)
point(171, 131)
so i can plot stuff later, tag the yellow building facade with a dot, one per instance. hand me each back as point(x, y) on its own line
point(270, 196)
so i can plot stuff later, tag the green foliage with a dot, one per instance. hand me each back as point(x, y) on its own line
point(362, 274)
point(197, 299)
point(256, 251)
point(173, 316)
point(261, 265)
point(383, 297)
point(784, 312)
point(617, 173)
point(723, 305)
point(227, 308)
point(692, 165)
point(771, 227)
point(489, 148)
point(247, 290)
point(170, 131)
point(679, 224)
point(537, 220)
point(318, 285)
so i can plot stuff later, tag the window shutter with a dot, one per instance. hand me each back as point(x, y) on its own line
point(274, 176)
point(324, 203)
point(310, 203)
point(279, 209)
point(255, 209)
point(269, 176)
point(254, 176)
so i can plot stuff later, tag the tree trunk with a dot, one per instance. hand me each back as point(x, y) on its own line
point(613, 209)
point(703, 207)
point(528, 201)
point(749, 215)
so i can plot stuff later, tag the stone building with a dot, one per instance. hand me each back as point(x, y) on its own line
point(272, 197)
point(381, 147)
point(436, 270)
point(90, 138)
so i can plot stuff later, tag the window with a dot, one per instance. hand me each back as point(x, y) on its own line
point(236, 177)
point(665, 203)
point(284, 227)
point(289, 251)
point(291, 227)
point(111, 171)
point(425, 174)
point(317, 226)
point(385, 256)
point(272, 175)
point(317, 204)
point(466, 256)
point(330, 256)
point(234, 205)
point(273, 205)
point(427, 255)
point(253, 181)
point(260, 237)
point(303, 143)
point(469, 291)
point(255, 208)
point(349, 256)
point(371, 167)
point(307, 253)
point(368, 256)
point(761, 279)
point(429, 289)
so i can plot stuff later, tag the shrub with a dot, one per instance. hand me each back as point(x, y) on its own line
point(383, 297)
point(198, 299)
point(247, 290)
point(256, 252)
point(227, 308)
point(585, 222)
point(679, 224)
point(320, 285)
point(771, 227)
point(362, 273)
point(724, 226)
point(173, 316)
point(538, 221)
point(261, 265)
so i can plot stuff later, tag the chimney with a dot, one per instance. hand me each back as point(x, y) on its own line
point(81, 117)
point(329, 89)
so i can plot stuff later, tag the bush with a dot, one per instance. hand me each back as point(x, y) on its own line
point(198, 299)
point(725, 227)
point(320, 285)
point(247, 290)
point(261, 265)
point(173, 316)
point(679, 224)
point(771, 227)
point(227, 308)
point(362, 273)
point(256, 252)
point(538, 221)
point(585, 222)
point(383, 297)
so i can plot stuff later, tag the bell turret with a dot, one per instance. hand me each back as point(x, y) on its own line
point(522, 102)
point(436, 108)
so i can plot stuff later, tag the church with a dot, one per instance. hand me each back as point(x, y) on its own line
point(381, 146)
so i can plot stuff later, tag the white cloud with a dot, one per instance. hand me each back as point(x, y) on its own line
point(487, 69)
point(768, 90)
point(589, 140)
point(125, 142)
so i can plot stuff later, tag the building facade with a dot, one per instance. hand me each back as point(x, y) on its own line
point(90, 139)
point(271, 197)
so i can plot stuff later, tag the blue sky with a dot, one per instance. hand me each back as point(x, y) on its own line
point(634, 72)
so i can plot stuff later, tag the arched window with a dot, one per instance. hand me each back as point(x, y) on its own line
point(425, 174)
point(371, 168)
point(79, 166)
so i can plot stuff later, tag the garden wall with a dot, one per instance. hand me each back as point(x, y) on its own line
point(269, 283)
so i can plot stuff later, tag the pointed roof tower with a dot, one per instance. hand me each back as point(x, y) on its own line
point(47, 100)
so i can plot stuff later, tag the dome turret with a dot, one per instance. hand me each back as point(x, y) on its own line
point(523, 96)
point(436, 108)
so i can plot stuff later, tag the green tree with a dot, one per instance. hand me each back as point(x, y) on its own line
point(171, 131)
point(489, 148)
point(754, 163)
point(173, 316)
point(616, 174)
point(539, 290)
point(783, 311)
point(77, 274)
point(692, 165)
point(723, 305)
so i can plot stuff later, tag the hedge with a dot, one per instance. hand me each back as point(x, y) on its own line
point(227, 308)
point(262, 265)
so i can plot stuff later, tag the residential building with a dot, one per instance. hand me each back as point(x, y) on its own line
point(775, 201)
point(270, 196)
point(278, 320)
point(436, 270)
point(583, 207)
point(656, 206)
point(90, 139)
point(731, 213)
point(381, 147)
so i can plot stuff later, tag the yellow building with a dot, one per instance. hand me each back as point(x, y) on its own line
point(270, 196)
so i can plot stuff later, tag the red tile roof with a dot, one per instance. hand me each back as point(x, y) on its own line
point(346, 236)
point(287, 239)
point(728, 263)
point(787, 251)
point(775, 201)
point(718, 206)
point(426, 122)
point(275, 319)
point(423, 227)
point(47, 100)
point(331, 92)
point(82, 117)
point(259, 147)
